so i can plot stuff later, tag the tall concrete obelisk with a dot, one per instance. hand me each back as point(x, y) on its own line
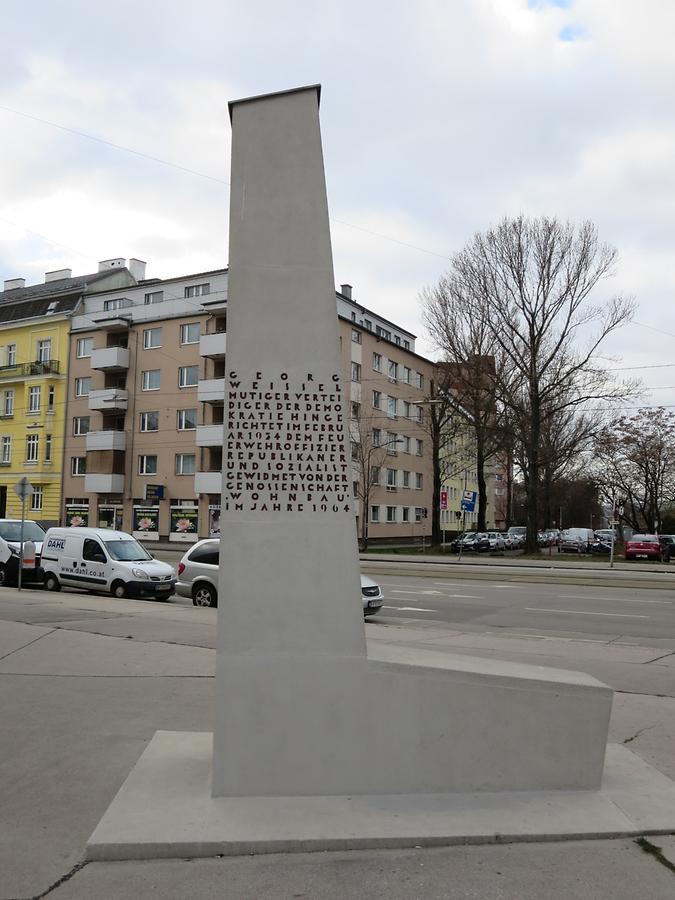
point(290, 595)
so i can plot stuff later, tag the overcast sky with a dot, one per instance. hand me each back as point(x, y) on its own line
point(439, 117)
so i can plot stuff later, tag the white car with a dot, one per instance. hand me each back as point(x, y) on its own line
point(198, 578)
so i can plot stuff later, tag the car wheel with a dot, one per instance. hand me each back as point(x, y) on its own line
point(118, 589)
point(52, 582)
point(204, 594)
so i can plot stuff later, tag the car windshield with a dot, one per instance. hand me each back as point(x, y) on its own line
point(11, 531)
point(127, 551)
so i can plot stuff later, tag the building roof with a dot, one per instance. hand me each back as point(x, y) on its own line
point(35, 300)
point(78, 284)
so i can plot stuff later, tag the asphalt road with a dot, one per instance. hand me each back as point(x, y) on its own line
point(602, 613)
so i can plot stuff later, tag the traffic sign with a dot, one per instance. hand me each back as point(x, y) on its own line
point(444, 499)
point(23, 488)
point(468, 503)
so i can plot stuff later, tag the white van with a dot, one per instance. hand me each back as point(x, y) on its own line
point(99, 559)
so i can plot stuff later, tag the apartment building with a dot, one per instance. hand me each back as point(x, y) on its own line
point(34, 346)
point(390, 448)
point(146, 388)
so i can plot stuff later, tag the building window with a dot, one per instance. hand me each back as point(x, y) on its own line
point(383, 333)
point(419, 514)
point(419, 446)
point(36, 498)
point(392, 444)
point(368, 324)
point(354, 448)
point(406, 345)
point(407, 374)
point(374, 513)
point(356, 372)
point(147, 465)
point(353, 315)
point(406, 479)
point(150, 380)
point(152, 338)
point(6, 450)
point(48, 448)
point(189, 334)
point(406, 444)
point(377, 437)
point(393, 370)
point(44, 350)
point(405, 514)
point(375, 475)
point(187, 419)
point(356, 410)
point(116, 303)
point(355, 490)
point(418, 481)
point(78, 465)
point(32, 447)
point(11, 354)
point(391, 479)
point(34, 399)
point(8, 403)
point(154, 297)
point(391, 514)
point(149, 421)
point(356, 336)
point(81, 425)
point(84, 346)
point(188, 376)
point(406, 409)
point(377, 400)
point(185, 464)
point(420, 380)
point(198, 290)
point(392, 407)
point(50, 398)
point(377, 362)
point(82, 387)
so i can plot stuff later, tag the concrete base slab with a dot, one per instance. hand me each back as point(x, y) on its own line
point(165, 810)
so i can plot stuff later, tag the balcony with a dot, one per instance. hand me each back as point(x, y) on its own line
point(210, 435)
point(106, 440)
point(208, 482)
point(104, 484)
point(110, 359)
point(211, 390)
point(30, 369)
point(109, 400)
point(213, 345)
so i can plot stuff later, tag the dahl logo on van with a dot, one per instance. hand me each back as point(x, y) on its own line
point(56, 543)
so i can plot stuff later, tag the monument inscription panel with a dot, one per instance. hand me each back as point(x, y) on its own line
point(285, 448)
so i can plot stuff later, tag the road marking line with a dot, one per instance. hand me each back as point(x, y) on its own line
point(415, 592)
point(409, 609)
point(611, 599)
point(581, 612)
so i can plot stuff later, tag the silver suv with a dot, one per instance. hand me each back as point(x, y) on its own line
point(198, 578)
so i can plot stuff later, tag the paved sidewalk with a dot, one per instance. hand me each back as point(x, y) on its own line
point(79, 708)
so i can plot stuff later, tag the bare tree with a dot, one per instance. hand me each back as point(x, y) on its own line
point(529, 281)
point(470, 351)
point(636, 463)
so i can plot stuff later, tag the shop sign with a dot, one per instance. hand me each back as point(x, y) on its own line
point(77, 516)
point(214, 521)
point(146, 523)
point(184, 523)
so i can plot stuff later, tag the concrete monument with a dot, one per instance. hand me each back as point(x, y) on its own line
point(316, 744)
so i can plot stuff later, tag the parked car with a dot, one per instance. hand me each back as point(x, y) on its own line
point(577, 540)
point(10, 533)
point(667, 542)
point(605, 534)
point(496, 540)
point(99, 559)
point(518, 532)
point(644, 546)
point(509, 540)
point(198, 578)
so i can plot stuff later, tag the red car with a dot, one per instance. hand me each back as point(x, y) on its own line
point(644, 546)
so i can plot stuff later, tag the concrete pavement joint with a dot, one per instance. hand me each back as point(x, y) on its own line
point(34, 641)
point(62, 880)
point(639, 732)
point(665, 656)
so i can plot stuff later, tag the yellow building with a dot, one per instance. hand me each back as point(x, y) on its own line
point(34, 347)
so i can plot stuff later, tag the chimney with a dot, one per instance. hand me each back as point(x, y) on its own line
point(58, 275)
point(137, 269)
point(13, 283)
point(118, 263)
point(346, 291)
